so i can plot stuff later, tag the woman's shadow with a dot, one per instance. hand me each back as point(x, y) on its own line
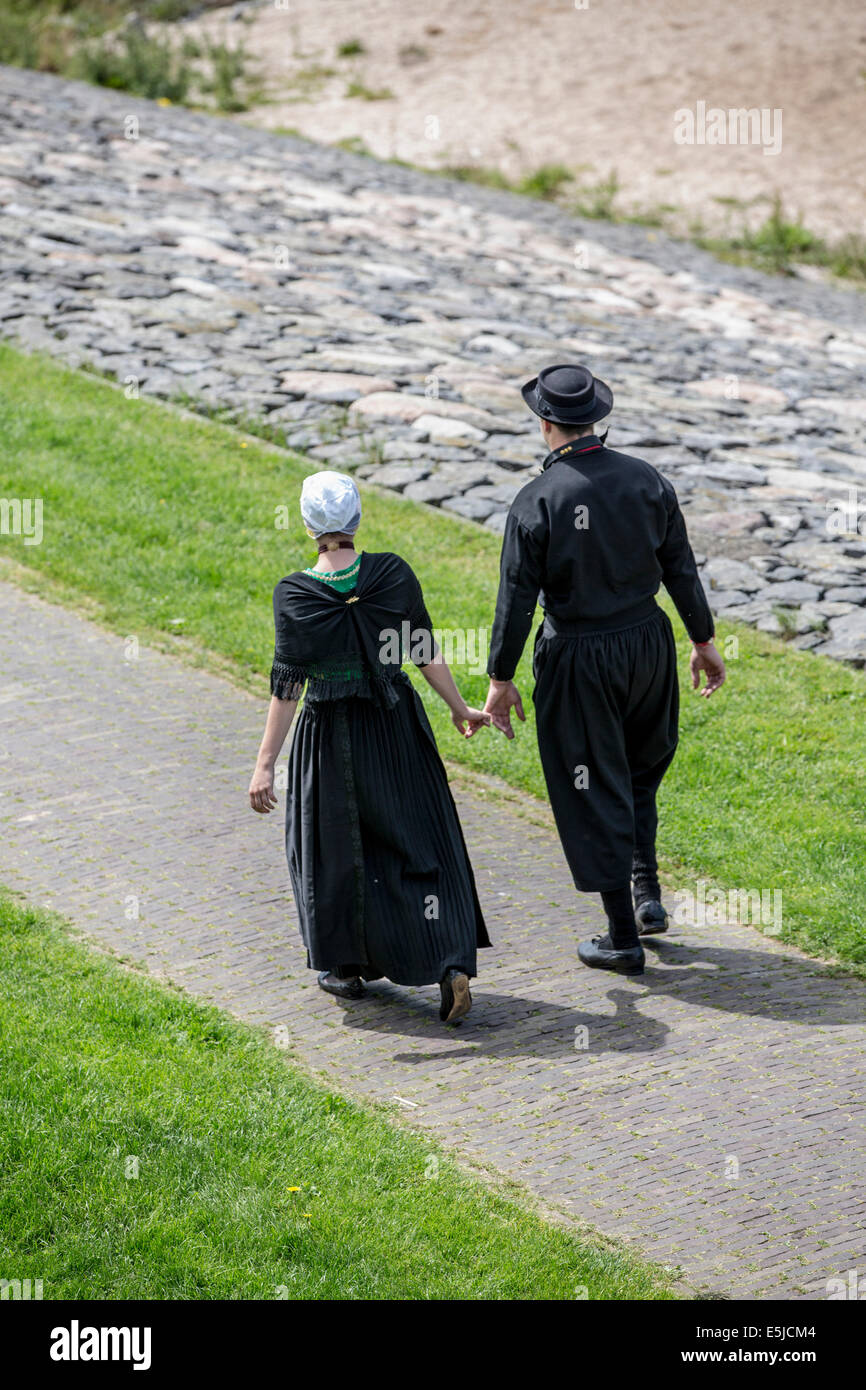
point(751, 983)
point(503, 1025)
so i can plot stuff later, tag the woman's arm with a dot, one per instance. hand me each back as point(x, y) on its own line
point(279, 721)
point(438, 676)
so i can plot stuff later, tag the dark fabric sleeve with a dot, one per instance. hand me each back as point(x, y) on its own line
point(521, 570)
point(680, 573)
point(288, 677)
point(422, 647)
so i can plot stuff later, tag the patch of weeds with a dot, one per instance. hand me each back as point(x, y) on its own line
point(354, 144)
point(411, 54)
point(364, 93)
point(546, 182)
point(848, 257)
point(133, 61)
point(787, 621)
point(653, 217)
point(165, 11)
point(308, 82)
point(330, 427)
point(228, 70)
point(475, 173)
point(350, 48)
point(372, 451)
point(597, 200)
point(781, 242)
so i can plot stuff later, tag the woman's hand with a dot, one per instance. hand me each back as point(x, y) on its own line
point(262, 797)
point(464, 714)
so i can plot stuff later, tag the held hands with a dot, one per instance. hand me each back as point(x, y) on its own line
point(464, 714)
point(262, 797)
point(707, 659)
point(502, 698)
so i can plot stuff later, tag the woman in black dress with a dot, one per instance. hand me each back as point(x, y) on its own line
point(377, 859)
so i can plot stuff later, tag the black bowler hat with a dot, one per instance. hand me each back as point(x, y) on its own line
point(568, 395)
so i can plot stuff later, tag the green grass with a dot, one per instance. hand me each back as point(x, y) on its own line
point(101, 1066)
point(150, 517)
point(87, 39)
point(135, 62)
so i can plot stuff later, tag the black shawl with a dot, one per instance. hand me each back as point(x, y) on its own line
point(341, 645)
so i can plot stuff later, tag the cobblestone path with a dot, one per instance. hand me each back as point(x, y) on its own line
point(712, 1112)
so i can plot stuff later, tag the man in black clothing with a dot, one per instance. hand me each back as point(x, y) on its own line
point(591, 539)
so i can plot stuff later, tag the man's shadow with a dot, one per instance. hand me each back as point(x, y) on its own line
point(756, 983)
point(736, 980)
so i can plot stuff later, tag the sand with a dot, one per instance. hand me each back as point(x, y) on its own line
point(521, 83)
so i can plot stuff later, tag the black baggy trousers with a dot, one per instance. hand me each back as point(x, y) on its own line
point(607, 709)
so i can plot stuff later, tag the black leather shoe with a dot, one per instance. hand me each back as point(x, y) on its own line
point(343, 989)
point(456, 1000)
point(651, 918)
point(599, 954)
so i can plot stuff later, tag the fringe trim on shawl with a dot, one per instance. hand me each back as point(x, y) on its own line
point(289, 682)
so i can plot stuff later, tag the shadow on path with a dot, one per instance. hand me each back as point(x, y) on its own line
point(738, 980)
point(756, 983)
point(504, 1025)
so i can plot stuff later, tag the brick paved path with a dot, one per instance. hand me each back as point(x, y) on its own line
point(122, 779)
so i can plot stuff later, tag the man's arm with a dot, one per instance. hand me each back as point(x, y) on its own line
point(520, 579)
point(680, 573)
point(683, 583)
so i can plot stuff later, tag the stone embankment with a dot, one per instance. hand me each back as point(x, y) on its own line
point(382, 320)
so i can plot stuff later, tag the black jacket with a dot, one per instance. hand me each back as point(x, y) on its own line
point(591, 539)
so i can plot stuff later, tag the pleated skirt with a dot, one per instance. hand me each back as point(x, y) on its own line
point(377, 859)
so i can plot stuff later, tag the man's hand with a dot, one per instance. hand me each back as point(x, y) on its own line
point(468, 720)
point(262, 797)
point(706, 658)
point(502, 698)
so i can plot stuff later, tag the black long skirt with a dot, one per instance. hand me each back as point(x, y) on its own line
point(607, 708)
point(377, 859)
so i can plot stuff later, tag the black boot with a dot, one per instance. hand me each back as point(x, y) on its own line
point(650, 916)
point(352, 988)
point(600, 954)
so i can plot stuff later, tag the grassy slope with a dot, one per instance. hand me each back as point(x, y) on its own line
point(100, 1065)
point(155, 518)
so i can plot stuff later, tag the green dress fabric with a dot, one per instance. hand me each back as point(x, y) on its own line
point(343, 580)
